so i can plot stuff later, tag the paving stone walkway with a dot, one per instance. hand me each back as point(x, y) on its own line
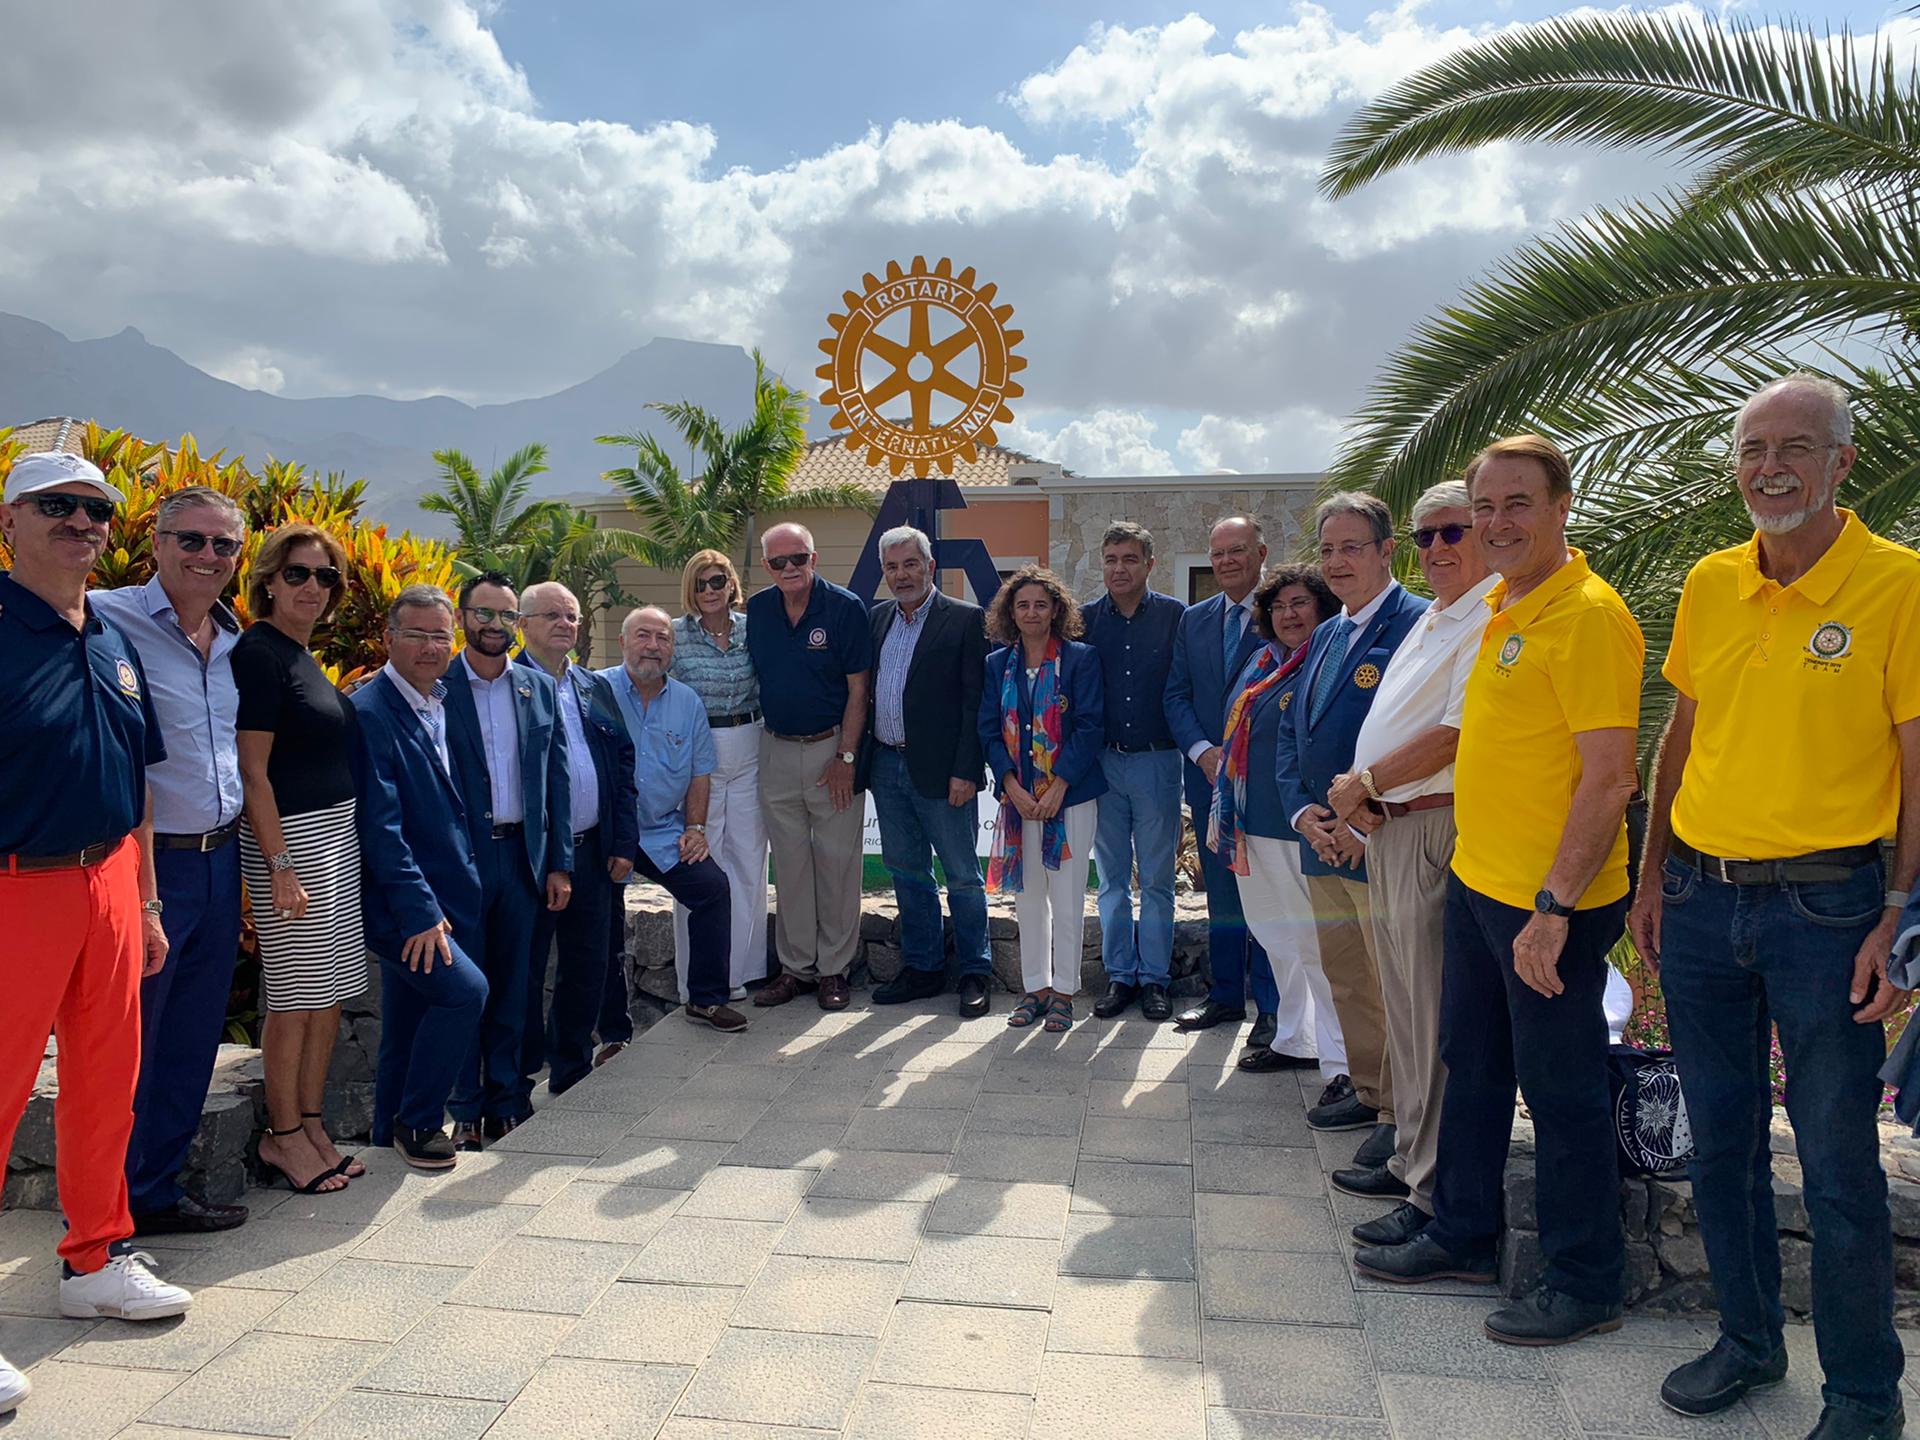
point(888, 1224)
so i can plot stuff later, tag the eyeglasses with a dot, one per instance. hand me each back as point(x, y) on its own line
point(426, 639)
point(1794, 452)
point(58, 507)
point(559, 617)
point(718, 582)
point(1351, 550)
point(298, 575)
point(487, 615)
point(777, 563)
point(1452, 534)
point(193, 542)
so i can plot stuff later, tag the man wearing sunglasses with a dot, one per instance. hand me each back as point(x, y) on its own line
point(184, 632)
point(1399, 790)
point(78, 904)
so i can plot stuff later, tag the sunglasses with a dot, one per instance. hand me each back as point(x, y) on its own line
point(720, 582)
point(1452, 534)
point(193, 542)
point(777, 563)
point(58, 507)
point(487, 615)
point(297, 575)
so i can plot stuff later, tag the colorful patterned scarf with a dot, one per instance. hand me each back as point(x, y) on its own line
point(1226, 829)
point(1004, 875)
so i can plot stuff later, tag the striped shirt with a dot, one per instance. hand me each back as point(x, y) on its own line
point(896, 658)
point(723, 679)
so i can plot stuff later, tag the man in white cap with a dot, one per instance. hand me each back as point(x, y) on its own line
point(78, 901)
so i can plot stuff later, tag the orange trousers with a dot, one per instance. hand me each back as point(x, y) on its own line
point(73, 945)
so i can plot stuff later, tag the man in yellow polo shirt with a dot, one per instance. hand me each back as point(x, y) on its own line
point(1537, 898)
point(1793, 750)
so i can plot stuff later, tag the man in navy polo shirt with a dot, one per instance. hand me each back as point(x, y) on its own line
point(813, 652)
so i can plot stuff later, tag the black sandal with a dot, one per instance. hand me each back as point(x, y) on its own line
point(1026, 1012)
point(346, 1166)
point(313, 1186)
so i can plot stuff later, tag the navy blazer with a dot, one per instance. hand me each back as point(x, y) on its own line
point(414, 841)
point(544, 798)
point(941, 702)
point(612, 746)
point(1078, 762)
point(1266, 813)
point(1311, 753)
point(1200, 683)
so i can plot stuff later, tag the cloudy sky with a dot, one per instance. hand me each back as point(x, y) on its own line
point(494, 200)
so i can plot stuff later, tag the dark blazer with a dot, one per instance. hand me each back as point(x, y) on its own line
point(414, 841)
point(612, 746)
point(941, 705)
point(544, 797)
point(1309, 754)
point(1200, 684)
point(1266, 813)
point(1078, 762)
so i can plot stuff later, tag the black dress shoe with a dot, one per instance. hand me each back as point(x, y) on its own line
point(498, 1127)
point(1838, 1424)
point(1396, 1227)
point(1263, 1060)
point(192, 1215)
point(424, 1149)
point(972, 992)
point(1421, 1259)
point(1346, 1113)
point(910, 984)
point(1371, 1182)
point(1377, 1149)
point(467, 1136)
point(1118, 997)
point(1719, 1378)
point(1551, 1317)
point(1208, 1015)
point(1154, 1004)
point(1265, 1027)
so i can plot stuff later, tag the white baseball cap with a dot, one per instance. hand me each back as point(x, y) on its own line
point(47, 468)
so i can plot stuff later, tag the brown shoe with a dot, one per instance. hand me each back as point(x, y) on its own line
point(608, 1051)
point(783, 988)
point(720, 1017)
point(466, 1136)
point(835, 992)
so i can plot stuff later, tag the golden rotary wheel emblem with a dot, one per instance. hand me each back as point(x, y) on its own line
point(966, 372)
point(1367, 676)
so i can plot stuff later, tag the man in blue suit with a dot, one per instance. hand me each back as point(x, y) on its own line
point(509, 755)
point(1210, 647)
point(1345, 660)
point(420, 895)
point(606, 841)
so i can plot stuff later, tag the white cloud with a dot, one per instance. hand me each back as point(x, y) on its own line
point(1107, 442)
point(250, 370)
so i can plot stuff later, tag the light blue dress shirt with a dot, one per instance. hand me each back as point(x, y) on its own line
point(672, 743)
point(500, 739)
point(896, 658)
point(197, 787)
point(583, 776)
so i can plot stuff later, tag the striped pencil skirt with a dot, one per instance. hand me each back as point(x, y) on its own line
point(320, 959)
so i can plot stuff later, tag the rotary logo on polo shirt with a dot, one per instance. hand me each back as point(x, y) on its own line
point(817, 638)
point(1830, 641)
point(1367, 676)
point(129, 682)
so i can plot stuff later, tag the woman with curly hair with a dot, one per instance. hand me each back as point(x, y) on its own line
point(1043, 727)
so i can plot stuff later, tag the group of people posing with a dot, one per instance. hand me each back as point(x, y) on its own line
point(1409, 811)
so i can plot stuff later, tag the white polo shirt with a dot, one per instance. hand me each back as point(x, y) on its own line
point(1425, 685)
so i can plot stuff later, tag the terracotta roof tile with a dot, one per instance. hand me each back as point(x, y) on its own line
point(59, 432)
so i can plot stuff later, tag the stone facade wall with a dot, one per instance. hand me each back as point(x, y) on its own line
point(1180, 517)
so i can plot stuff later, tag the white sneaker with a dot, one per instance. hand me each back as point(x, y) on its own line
point(124, 1288)
point(739, 992)
point(14, 1387)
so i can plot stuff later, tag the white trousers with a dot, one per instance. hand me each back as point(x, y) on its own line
point(737, 840)
point(1273, 895)
point(1051, 907)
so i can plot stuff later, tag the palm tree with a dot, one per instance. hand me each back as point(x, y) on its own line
point(744, 473)
point(1633, 335)
point(492, 520)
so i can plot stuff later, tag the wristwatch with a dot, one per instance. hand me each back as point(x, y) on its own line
point(1366, 780)
point(845, 757)
point(1546, 904)
point(282, 861)
point(152, 907)
point(698, 829)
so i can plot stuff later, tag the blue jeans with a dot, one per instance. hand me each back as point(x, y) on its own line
point(427, 1022)
point(182, 1011)
point(489, 1083)
point(1735, 959)
point(913, 829)
point(1232, 952)
point(1139, 823)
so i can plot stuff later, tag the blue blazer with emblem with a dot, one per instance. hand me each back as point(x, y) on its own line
point(1266, 814)
point(414, 840)
point(612, 746)
point(1311, 753)
point(545, 806)
point(1078, 762)
point(1200, 682)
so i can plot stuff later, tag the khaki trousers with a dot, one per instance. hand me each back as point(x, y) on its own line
point(816, 858)
point(1343, 922)
point(1407, 865)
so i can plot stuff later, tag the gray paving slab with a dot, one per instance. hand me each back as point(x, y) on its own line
point(693, 1250)
point(221, 1314)
point(362, 1300)
point(555, 1277)
point(466, 1353)
point(557, 1131)
point(1278, 1286)
point(962, 1347)
point(819, 1296)
point(1618, 1388)
point(923, 1090)
point(1149, 1318)
point(610, 1214)
point(995, 1113)
point(28, 1339)
point(266, 1384)
point(1264, 1222)
point(373, 1415)
point(1225, 1424)
point(1116, 1397)
point(657, 1164)
point(1256, 1169)
point(453, 1232)
point(982, 1155)
point(1138, 1099)
point(1299, 1369)
point(984, 1270)
point(854, 1229)
point(1001, 1207)
point(748, 1192)
point(592, 1400)
point(905, 1129)
point(664, 1324)
point(1122, 1246)
point(1416, 1334)
point(1447, 1407)
point(881, 1175)
point(1117, 1187)
point(773, 1377)
point(907, 1412)
point(87, 1402)
point(777, 1143)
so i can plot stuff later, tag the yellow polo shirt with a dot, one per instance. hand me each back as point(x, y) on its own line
point(1798, 688)
point(1560, 661)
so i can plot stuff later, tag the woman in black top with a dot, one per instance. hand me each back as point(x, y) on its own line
point(298, 848)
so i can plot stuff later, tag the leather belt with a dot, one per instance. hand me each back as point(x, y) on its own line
point(901, 748)
point(1816, 868)
point(805, 739)
point(92, 855)
point(1394, 809)
point(211, 840)
point(580, 835)
point(509, 830)
point(721, 722)
point(1142, 749)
